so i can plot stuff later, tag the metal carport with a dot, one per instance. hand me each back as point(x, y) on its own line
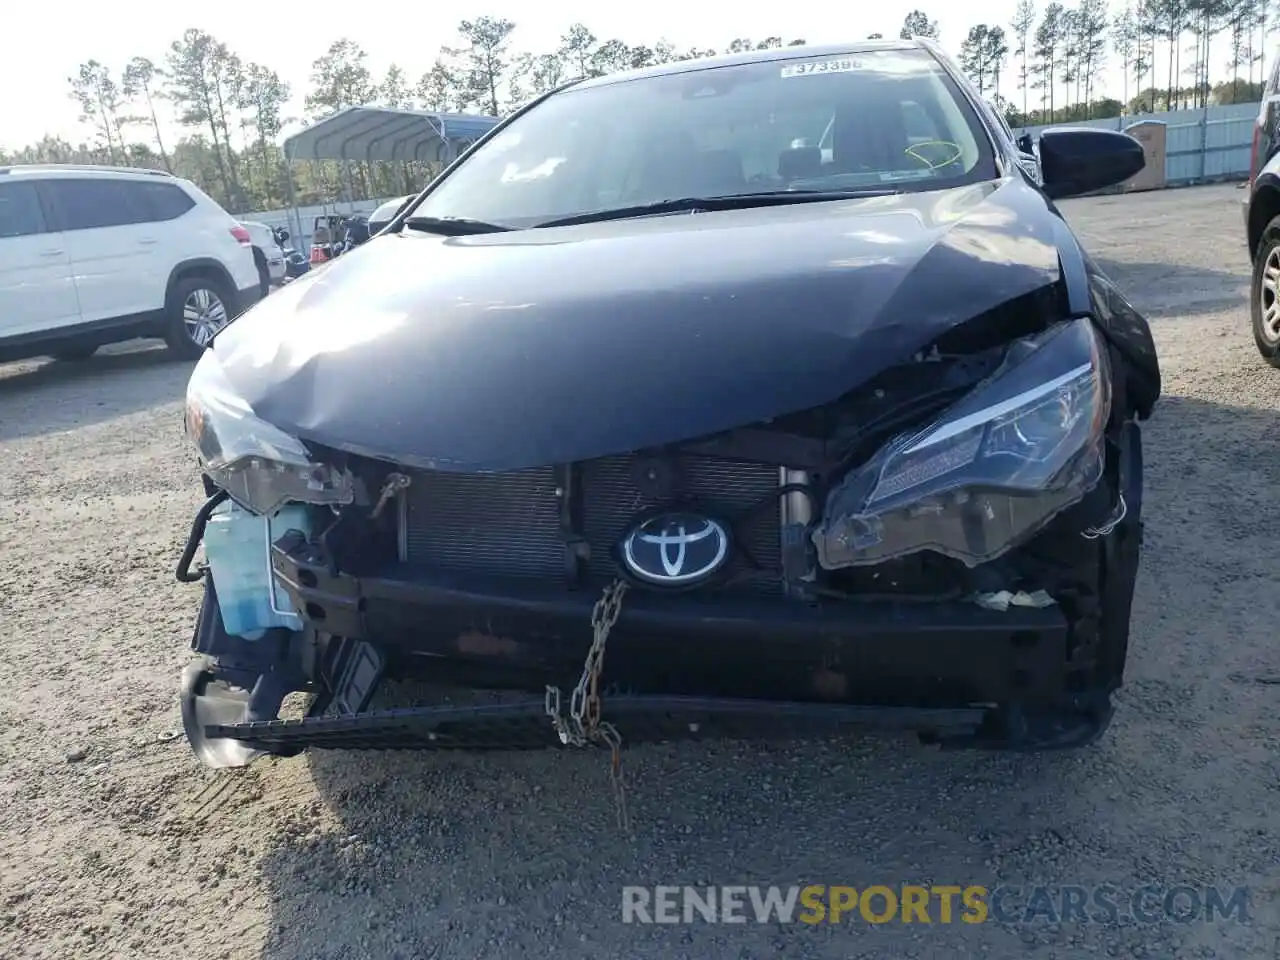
point(368, 134)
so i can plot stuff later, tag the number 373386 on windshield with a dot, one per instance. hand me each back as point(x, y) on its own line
point(811, 67)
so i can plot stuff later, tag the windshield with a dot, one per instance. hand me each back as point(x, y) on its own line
point(877, 120)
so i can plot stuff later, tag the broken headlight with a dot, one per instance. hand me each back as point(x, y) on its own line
point(259, 465)
point(1020, 448)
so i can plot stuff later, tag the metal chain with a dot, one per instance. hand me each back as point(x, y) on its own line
point(583, 725)
point(610, 736)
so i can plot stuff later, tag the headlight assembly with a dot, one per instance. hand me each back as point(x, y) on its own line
point(260, 466)
point(1019, 449)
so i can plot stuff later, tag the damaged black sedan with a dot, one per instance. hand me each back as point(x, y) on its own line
point(758, 395)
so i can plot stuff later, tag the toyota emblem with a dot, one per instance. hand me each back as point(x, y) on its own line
point(676, 549)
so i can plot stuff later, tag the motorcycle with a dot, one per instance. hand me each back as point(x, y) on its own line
point(295, 263)
point(333, 235)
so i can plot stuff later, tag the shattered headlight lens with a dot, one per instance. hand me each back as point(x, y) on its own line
point(259, 465)
point(1019, 449)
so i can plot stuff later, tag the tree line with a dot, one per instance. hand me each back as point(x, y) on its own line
point(231, 112)
point(1168, 52)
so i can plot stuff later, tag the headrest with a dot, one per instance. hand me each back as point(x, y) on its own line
point(800, 162)
point(870, 134)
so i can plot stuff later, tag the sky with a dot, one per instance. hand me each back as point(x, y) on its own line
point(287, 37)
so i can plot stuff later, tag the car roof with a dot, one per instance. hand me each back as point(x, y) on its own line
point(392, 205)
point(82, 171)
point(772, 54)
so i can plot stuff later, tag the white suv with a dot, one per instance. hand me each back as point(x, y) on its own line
point(96, 255)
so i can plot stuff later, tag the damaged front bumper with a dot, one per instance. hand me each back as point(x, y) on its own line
point(953, 672)
point(1019, 484)
point(947, 671)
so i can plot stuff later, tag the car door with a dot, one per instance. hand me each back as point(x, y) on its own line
point(1266, 130)
point(37, 291)
point(116, 255)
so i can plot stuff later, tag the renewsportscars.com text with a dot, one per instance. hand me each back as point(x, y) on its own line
point(945, 904)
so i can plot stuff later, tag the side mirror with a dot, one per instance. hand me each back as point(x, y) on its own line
point(1080, 160)
point(282, 234)
point(1026, 144)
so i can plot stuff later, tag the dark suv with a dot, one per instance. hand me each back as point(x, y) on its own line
point(1262, 221)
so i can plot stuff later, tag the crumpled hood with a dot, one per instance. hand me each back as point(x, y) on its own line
point(504, 351)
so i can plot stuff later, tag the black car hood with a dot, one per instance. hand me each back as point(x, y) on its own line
point(510, 350)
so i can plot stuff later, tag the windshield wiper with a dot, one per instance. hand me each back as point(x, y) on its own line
point(454, 226)
point(732, 201)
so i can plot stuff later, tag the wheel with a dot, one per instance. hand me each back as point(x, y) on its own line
point(1266, 294)
point(74, 354)
point(198, 308)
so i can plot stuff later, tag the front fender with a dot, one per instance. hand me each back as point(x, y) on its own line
point(1130, 333)
point(1090, 292)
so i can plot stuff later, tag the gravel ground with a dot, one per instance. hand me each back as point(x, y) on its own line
point(113, 843)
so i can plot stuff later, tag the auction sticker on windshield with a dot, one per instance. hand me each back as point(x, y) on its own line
point(810, 67)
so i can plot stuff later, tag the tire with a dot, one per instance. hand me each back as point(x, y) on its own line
point(198, 308)
point(1265, 295)
point(264, 275)
point(74, 354)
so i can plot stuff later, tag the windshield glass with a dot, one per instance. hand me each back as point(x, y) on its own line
point(877, 120)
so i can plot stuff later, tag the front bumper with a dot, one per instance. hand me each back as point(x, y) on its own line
point(509, 634)
point(675, 666)
point(954, 673)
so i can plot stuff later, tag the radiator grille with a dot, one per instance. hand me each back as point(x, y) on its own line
point(610, 501)
point(506, 524)
point(509, 524)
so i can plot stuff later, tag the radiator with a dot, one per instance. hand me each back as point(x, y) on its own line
point(508, 524)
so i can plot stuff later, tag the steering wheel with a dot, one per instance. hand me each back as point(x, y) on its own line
point(953, 149)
